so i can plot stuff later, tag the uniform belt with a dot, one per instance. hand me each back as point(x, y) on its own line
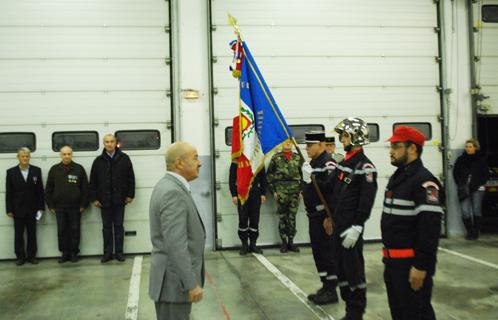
point(398, 253)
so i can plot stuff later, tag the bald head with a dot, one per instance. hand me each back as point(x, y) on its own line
point(182, 158)
point(66, 153)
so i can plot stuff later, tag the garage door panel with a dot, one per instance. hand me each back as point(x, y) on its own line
point(337, 71)
point(488, 71)
point(339, 101)
point(83, 75)
point(84, 13)
point(90, 42)
point(327, 60)
point(340, 41)
point(113, 107)
point(326, 12)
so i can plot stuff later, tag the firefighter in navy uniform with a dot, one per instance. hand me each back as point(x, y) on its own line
point(353, 195)
point(322, 167)
point(411, 224)
point(249, 212)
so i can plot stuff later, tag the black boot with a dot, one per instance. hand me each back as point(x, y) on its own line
point(468, 228)
point(283, 246)
point(253, 248)
point(244, 249)
point(326, 296)
point(477, 228)
point(291, 246)
point(312, 296)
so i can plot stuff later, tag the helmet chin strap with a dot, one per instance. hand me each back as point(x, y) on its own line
point(348, 148)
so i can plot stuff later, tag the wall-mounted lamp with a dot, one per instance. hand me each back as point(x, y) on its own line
point(191, 94)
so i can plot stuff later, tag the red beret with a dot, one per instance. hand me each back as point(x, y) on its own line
point(405, 133)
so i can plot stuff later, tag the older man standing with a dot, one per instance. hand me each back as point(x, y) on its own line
point(24, 202)
point(178, 237)
point(66, 194)
point(112, 186)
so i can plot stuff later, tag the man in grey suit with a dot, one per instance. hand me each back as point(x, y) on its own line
point(178, 237)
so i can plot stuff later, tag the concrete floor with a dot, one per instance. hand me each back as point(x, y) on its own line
point(242, 288)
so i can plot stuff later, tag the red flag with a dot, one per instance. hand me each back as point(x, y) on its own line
point(244, 170)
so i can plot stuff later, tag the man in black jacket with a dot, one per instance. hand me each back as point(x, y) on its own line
point(249, 212)
point(322, 167)
point(24, 202)
point(411, 224)
point(66, 194)
point(112, 186)
point(353, 195)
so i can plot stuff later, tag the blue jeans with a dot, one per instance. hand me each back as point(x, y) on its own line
point(472, 206)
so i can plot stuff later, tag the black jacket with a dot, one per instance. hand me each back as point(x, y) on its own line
point(411, 217)
point(67, 187)
point(24, 198)
point(259, 185)
point(112, 180)
point(354, 189)
point(323, 168)
point(475, 166)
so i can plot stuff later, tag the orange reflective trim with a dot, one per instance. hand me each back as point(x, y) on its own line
point(398, 253)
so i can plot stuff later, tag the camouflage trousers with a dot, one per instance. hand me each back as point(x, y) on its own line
point(287, 206)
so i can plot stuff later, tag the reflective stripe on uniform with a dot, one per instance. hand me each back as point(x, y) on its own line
point(428, 207)
point(413, 212)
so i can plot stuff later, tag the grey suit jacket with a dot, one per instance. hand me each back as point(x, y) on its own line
point(178, 238)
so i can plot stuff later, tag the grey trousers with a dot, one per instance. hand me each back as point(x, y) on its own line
point(472, 206)
point(173, 311)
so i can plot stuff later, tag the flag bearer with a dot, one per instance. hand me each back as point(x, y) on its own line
point(321, 167)
point(411, 223)
point(353, 195)
point(249, 212)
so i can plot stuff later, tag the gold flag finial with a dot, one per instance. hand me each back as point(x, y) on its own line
point(233, 22)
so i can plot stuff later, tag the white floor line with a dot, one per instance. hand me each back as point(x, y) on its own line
point(134, 293)
point(317, 310)
point(461, 255)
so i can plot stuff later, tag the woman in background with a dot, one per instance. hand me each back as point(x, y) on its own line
point(471, 173)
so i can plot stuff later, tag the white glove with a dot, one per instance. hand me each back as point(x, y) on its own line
point(39, 214)
point(307, 170)
point(350, 236)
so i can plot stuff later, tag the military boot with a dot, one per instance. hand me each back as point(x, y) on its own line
point(291, 246)
point(254, 248)
point(283, 246)
point(326, 296)
point(244, 249)
point(312, 296)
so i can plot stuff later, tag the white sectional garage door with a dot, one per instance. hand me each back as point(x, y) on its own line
point(325, 60)
point(486, 52)
point(99, 66)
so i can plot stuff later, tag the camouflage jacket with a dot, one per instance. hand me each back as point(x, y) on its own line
point(282, 170)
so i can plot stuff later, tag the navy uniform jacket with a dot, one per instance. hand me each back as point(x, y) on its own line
point(323, 167)
point(24, 198)
point(259, 184)
point(354, 190)
point(412, 214)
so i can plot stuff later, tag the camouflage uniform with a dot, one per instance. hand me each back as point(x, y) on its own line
point(284, 177)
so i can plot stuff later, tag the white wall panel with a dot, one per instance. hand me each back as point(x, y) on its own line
point(339, 102)
point(77, 42)
point(83, 75)
point(400, 13)
point(312, 72)
point(84, 13)
point(322, 41)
